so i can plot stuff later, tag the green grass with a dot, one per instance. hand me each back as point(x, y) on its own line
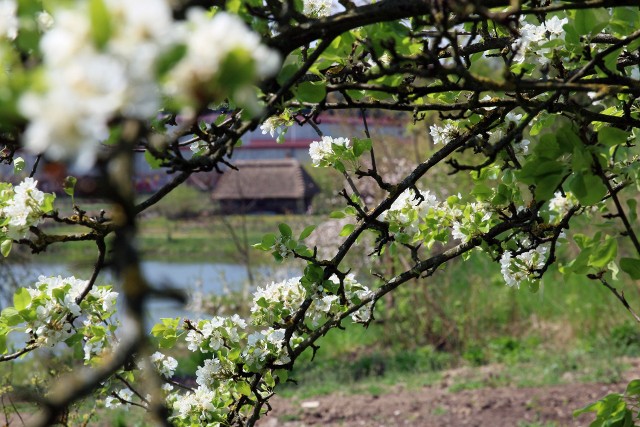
point(205, 239)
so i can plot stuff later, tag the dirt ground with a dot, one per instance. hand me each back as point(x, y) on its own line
point(435, 405)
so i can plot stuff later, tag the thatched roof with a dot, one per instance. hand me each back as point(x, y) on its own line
point(265, 179)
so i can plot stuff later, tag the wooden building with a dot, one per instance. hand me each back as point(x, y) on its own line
point(278, 186)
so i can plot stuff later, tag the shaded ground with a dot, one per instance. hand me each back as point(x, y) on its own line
point(436, 405)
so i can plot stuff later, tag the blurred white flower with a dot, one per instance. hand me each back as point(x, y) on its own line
point(8, 19)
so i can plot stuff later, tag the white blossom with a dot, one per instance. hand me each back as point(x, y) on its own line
point(209, 41)
point(513, 117)
point(520, 268)
point(522, 147)
point(555, 26)
point(24, 209)
point(206, 374)
point(166, 365)
point(322, 151)
point(8, 19)
point(532, 36)
point(457, 233)
point(44, 20)
point(111, 402)
point(442, 134)
point(317, 8)
point(561, 204)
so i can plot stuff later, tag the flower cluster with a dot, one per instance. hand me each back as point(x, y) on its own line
point(235, 353)
point(236, 349)
point(278, 302)
point(90, 77)
point(197, 407)
point(420, 217)
point(326, 152)
point(409, 207)
point(277, 124)
point(442, 134)
point(317, 8)
point(8, 19)
point(212, 335)
point(47, 312)
point(561, 204)
point(22, 207)
point(215, 47)
point(522, 267)
point(94, 71)
point(165, 365)
point(126, 394)
point(533, 38)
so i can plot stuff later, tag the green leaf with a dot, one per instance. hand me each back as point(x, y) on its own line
point(631, 266)
point(3, 344)
point(282, 374)
point(21, 299)
point(360, 146)
point(152, 161)
point(236, 70)
point(243, 388)
point(69, 185)
point(306, 232)
point(604, 253)
point(11, 317)
point(170, 58)
point(268, 379)
point(337, 214)
point(287, 72)
point(347, 229)
point(168, 341)
point(591, 21)
point(158, 329)
point(633, 205)
point(314, 273)
point(567, 139)
point(588, 188)
point(234, 354)
point(581, 159)
point(285, 230)
point(233, 6)
point(482, 191)
point(47, 204)
point(547, 147)
point(633, 388)
point(268, 240)
point(311, 92)
point(545, 174)
point(610, 136)
point(356, 95)
point(5, 247)
point(611, 60)
point(74, 339)
point(100, 22)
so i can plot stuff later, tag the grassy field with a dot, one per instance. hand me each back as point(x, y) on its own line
point(180, 228)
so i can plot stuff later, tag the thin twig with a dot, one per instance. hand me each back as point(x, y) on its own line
point(619, 295)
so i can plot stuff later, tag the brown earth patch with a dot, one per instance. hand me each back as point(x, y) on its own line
point(436, 405)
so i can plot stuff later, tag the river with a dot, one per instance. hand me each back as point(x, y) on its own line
point(195, 279)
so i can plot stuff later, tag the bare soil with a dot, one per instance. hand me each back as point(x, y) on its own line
point(436, 405)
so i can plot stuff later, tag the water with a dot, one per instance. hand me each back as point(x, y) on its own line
point(193, 279)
